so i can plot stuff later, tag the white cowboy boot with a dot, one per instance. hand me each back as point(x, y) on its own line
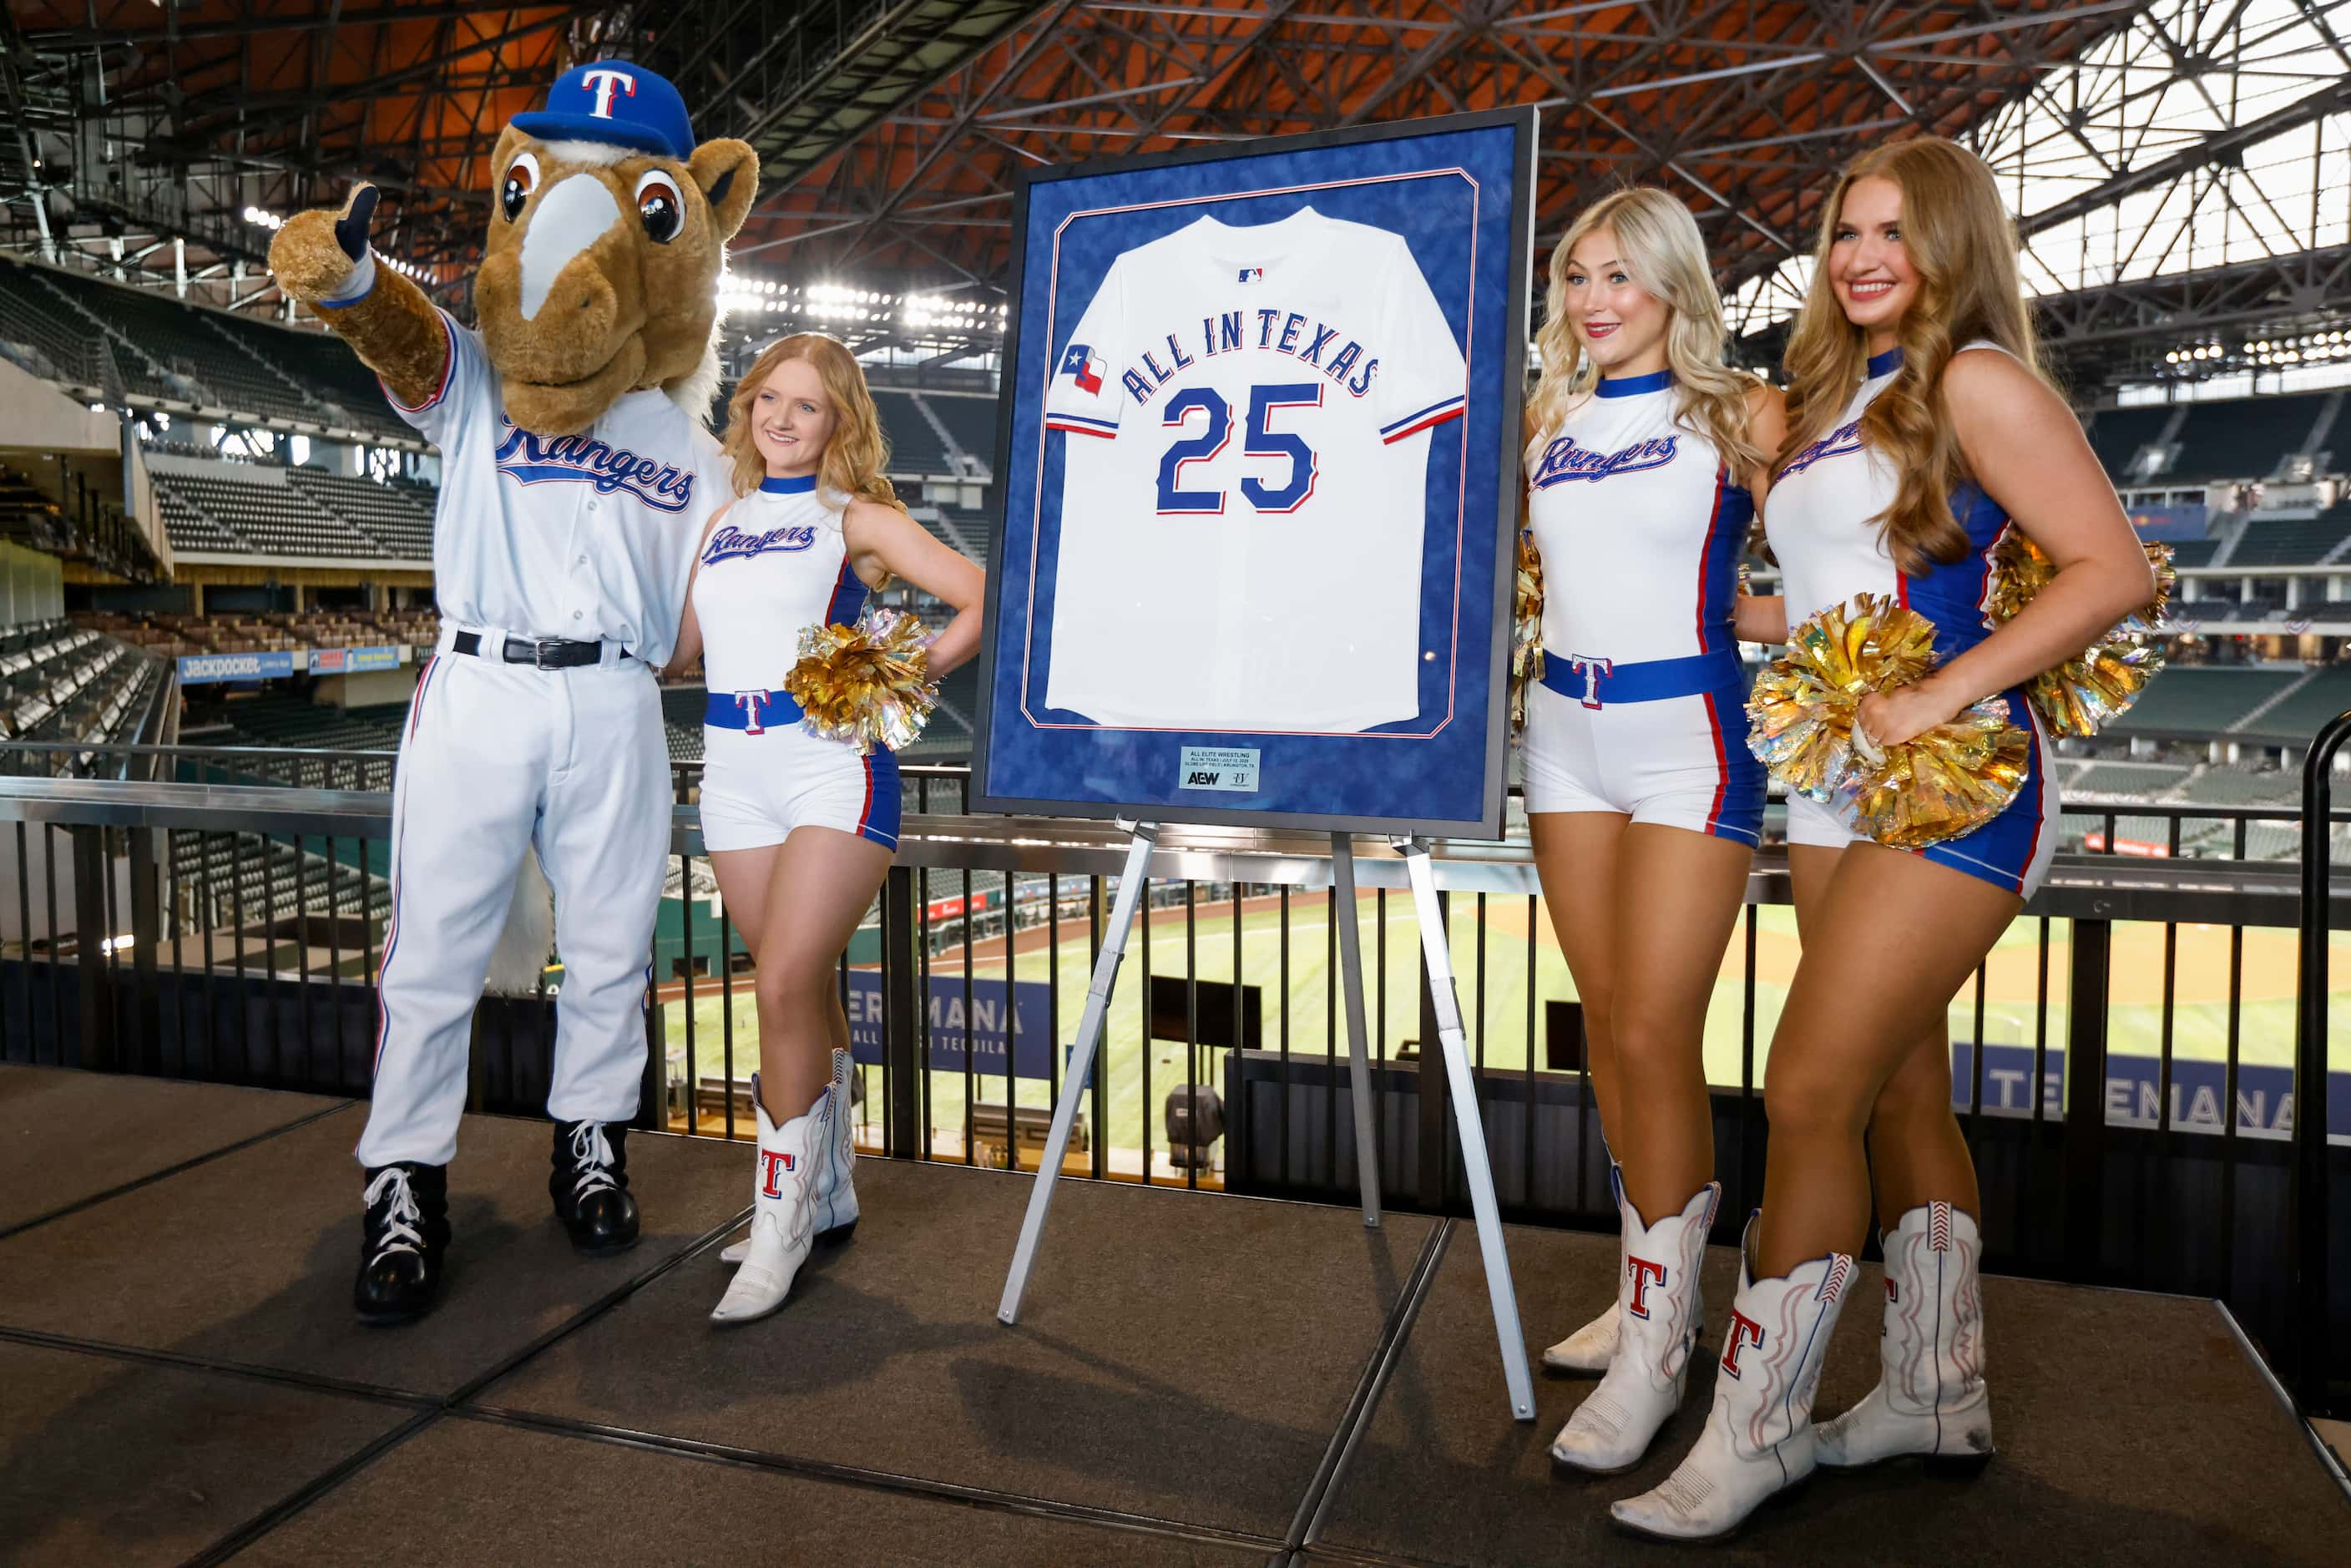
point(783, 1217)
point(1758, 1435)
point(1658, 1313)
point(1587, 1350)
point(1930, 1398)
point(836, 1192)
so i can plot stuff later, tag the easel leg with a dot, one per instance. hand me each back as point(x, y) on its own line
point(1351, 983)
point(1081, 1061)
point(1435, 950)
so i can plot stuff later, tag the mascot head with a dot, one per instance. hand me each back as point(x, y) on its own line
point(607, 236)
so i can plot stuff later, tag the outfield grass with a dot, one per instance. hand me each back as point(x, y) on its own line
point(1496, 1009)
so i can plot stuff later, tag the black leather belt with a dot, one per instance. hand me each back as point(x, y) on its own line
point(555, 653)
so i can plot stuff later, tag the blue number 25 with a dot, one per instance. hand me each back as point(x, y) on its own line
point(1263, 442)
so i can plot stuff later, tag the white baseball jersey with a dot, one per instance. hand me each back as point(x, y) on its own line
point(1245, 453)
point(586, 537)
point(1640, 526)
point(775, 564)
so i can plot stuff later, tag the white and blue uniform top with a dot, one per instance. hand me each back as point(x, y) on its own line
point(776, 564)
point(1640, 523)
point(1825, 519)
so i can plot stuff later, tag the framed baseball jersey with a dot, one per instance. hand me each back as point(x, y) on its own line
point(1257, 466)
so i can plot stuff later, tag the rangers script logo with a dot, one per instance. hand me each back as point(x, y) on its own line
point(584, 460)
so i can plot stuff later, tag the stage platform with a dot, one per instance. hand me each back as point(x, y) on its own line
point(1197, 1379)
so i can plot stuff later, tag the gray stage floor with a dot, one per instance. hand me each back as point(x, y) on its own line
point(1196, 1379)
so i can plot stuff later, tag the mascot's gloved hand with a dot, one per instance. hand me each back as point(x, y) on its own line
point(322, 259)
point(315, 255)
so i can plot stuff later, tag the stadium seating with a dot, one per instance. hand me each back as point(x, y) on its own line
point(970, 422)
point(914, 445)
point(2193, 552)
point(398, 517)
point(67, 685)
point(974, 528)
point(277, 511)
point(2124, 779)
point(2306, 710)
point(2202, 698)
point(2243, 438)
point(172, 635)
point(2290, 541)
point(2246, 786)
point(2116, 433)
point(37, 334)
point(245, 879)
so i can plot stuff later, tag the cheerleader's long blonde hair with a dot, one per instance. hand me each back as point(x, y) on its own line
point(1963, 245)
point(856, 452)
point(1658, 244)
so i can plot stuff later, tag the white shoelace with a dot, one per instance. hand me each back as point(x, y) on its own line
point(400, 1224)
point(591, 1159)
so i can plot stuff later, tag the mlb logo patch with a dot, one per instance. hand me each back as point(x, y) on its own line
point(1252, 275)
point(1079, 365)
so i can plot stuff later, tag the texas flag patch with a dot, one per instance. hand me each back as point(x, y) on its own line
point(1079, 365)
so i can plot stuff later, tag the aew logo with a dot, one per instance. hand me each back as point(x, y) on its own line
point(584, 460)
point(1079, 363)
point(773, 1164)
point(1563, 461)
point(731, 543)
point(1845, 438)
point(1200, 779)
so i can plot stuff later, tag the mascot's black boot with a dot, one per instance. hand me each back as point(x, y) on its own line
point(591, 1186)
point(401, 1244)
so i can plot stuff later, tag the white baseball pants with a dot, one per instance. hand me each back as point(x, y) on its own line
point(495, 757)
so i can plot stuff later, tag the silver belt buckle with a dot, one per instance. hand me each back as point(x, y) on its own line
point(543, 656)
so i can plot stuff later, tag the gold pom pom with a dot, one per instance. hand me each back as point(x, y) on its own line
point(1800, 712)
point(1948, 781)
point(865, 686)
point(2086, 691)
point(1526, 628)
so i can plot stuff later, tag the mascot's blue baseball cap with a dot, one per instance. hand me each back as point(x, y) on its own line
point(617, 102)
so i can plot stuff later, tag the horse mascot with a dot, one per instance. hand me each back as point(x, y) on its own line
point(575, 478)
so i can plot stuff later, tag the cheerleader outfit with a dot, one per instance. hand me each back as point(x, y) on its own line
point(1822, 517)
point(1640, 710)
point(776, 563)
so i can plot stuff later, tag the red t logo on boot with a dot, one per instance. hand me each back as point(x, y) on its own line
point(1645, 1273)
point(1744, 1331)
point(773, 1163)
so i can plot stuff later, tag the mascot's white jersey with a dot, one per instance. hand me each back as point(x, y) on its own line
point(776, 564)
point(1639, 525)
point(1244, 479)
point(586, 537)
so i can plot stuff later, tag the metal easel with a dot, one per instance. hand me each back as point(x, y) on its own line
point(1435, 954)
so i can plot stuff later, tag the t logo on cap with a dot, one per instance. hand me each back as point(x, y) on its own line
point(605, 80)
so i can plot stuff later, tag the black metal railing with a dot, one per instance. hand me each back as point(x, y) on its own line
point(2313, 1151)
point(240, 933)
